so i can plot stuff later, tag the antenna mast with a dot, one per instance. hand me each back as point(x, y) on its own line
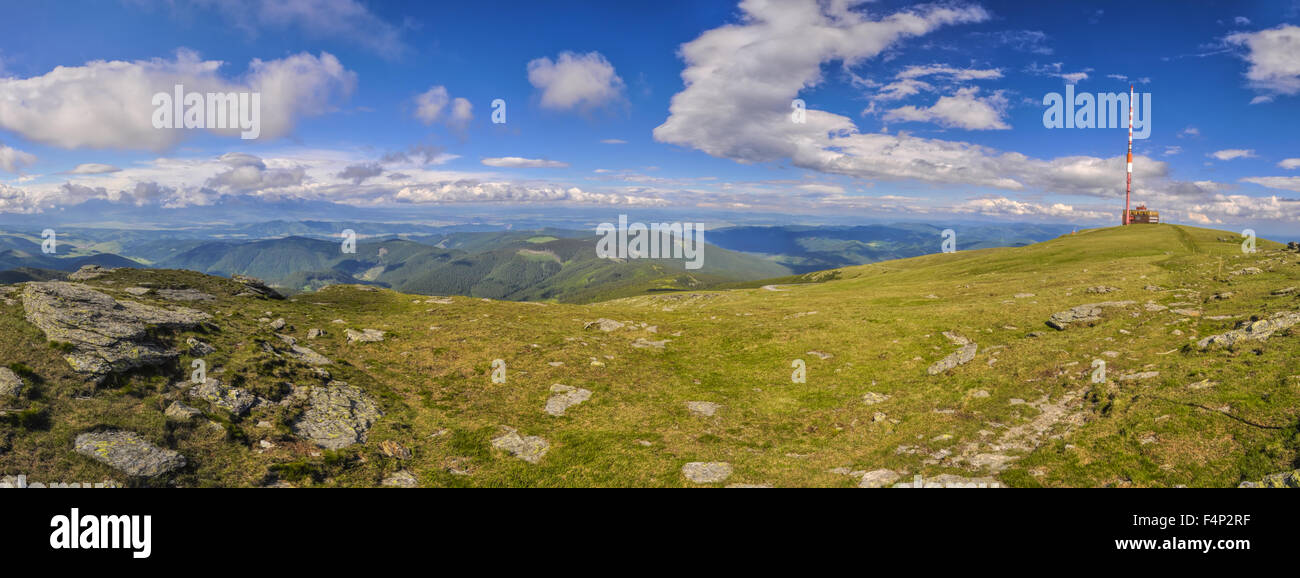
point(1128, 179)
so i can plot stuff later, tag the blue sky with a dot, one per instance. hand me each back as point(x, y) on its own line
point(915, 112)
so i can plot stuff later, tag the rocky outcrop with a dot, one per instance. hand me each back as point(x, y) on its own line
point(255, 288)
point(1088, 313)
point(364, 336)
point(604, 325)
point(88, 272)
point(129, 453)
point(564, 397)
point(104, 335)
point(960, 357)
point(338, 415)
point(303, 354)
point(1289, 479)
point(1257, 330)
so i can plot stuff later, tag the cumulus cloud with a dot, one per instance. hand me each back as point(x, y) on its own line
point(430, 105)
point(965, 109)
point(13, 160)
point(1274, 57)
point(575, 81)
point(1290, 164)
point(358, 173)
point(1281, 183)
point(108, 104)
point(1230, 154)
point(520, 162)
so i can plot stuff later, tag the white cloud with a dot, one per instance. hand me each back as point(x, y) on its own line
point(613, 141)
point(1290, 164)
point(1173, 150)
point(1241, 21)
point(92, 169)
point(108, 104)
point(959, 74)
point(575, 81)
point(1004, 207)
point(520, 162)
point(1274, 57)
point(1230, 154)
point(1190, 131)
point(965, 110)
point(430, 105)
point(462, 112)
point(1057, 69)
point(1281, 183)
point(13, 160)
point(349, 20)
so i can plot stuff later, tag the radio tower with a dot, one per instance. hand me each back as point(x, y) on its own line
point(1128, 179)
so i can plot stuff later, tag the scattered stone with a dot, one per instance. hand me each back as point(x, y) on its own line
point(394, 450)
point(1289, 479)
point(531, 449)
point(1102, 289)
point(138, 291)
point(314, 333)
point(401, 479)
point(1223, 296)
point(1087, 313)
point(872, 398)
point(304, 354)
point(643, 343)
point(878, 417)
point(950, 481)
point(235, 400)
point(979, 393)
point(1202, 384)
point(820, 354)
point(960, 357)
point(178, 411)
point(278, 324)
point(199, 348)
point(750, 485)
point(364, 336)
point(604, 325)
point(1017, 296)
point(564, 398)
point(184, 295)
point(10, 384)
point(702, 408)
point(878, 478)
point(1140, 376)
point(707, 472)
point(1284, 291)
point(105, 335)
point(129, 453)
point(1258, 330)
point(1188, 312)
point(1154, 307)
point(1247, 271)
point(338, 415)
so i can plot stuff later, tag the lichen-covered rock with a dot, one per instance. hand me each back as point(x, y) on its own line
point(10, 384)
point(302, 353)
point(129, 453)
point(401, 479)
point(707, 472)
point(105, 335)
point(364, 336)
point(1289, 479)
point(1087, 313)
point(338, 415)
point(1257, 330)
point(531, 449)
point(565, 397)
point(88, 272)
point(960, 357)
point(232, 399)
point(604, 325)
point(178, 411)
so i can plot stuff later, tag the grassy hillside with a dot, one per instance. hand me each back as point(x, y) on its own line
point(1024, 411)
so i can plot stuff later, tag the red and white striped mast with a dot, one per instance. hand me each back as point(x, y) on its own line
point(1128, 179)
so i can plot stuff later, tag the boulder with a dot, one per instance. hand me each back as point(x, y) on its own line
point(604, 325)
point(178, 411)
point(364, 336)
point(10, 384)
point(707, 472)
point(338, 415)
point(531, 449)
point(105, 335)
point(235, 400)
point(129, 453)
point(1255, 330)
point(565, 397)
point(256, 288)
point(960, 357)
point(1087, 313)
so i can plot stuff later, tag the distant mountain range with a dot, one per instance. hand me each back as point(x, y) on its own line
point(486, 261)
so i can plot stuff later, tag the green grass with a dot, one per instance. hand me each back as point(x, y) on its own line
point(881, 324)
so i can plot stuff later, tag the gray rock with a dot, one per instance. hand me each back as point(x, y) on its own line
point(878, 478)
point(1258, 330)
point(255, 287)
point(178, 411)
point(565, 397)
point(338, 415)
point(364, 336)
point(604, 324)
point(304, 354)
point(960, 357)
point(401, 479)
point(1289, 479)
point(643, 343)
point(1140, 376)
point(314, 333)
point(10, 384)
point(702, 408)
point(531, 449)
point(872, 398)
point(707, 472)
point(129, 453)
point(278, 324)
point(88, 272)
point(106, 336)
point(1087, 313)
point(199, 348)
point(1102, 289)
point(138, 291)
point(184, 295)
point(235, 400)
